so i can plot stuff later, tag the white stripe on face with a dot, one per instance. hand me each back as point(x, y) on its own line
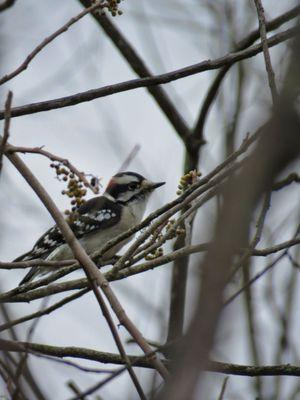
point(123, 180)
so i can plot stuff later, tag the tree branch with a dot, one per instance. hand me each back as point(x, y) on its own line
point(111, 358)
point(7, 115)
point(243, 44)
point(140, 68)
point(92, 94)
point(264, 41)
point(48, 40)
point(53, 157)
point(231, 229)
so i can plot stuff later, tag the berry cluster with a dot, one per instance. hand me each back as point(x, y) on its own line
point(76, 190)
point(154, 254)
point(172, 232)
point(112, 7)
point(187, 180)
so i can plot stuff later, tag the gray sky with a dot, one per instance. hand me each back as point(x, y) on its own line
point(97, 136)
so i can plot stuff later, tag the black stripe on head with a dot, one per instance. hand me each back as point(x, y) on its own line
point(139, 177)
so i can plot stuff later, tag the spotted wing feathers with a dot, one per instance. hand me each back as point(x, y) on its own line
point(97, 213)
point(49, 241)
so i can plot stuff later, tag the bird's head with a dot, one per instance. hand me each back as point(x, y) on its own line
point(130, 187)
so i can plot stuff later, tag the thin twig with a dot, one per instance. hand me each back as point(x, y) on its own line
point(223, 388)
point(138, 65)
point(111, 358)
point(53, 157)
point(98, 385)
point(130, 157)
point(48, 40)
point(254, 279)
point(264, 41)
point(22, 365)
point(285, 320)
point(120, 346)
point(243, 44)
point(268, 267)
point(254, 242)
point(75, 389)
point(27, 374)
point(7, 116)
point(35, 263)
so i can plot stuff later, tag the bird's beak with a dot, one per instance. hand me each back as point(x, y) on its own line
point(156, 185)
point(148, 185)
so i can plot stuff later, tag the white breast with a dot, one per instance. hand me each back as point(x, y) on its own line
point(131, 216)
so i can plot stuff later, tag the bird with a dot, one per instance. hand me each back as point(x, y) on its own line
point(97, 221)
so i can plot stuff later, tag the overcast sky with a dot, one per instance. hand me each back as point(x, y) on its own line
point(98, 135)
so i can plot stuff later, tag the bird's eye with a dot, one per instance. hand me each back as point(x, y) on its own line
point(132, 186)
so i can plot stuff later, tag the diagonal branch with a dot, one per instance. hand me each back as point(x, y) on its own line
point(48, 40)
point(54, 157)
point(263, 35)
point(140, 68)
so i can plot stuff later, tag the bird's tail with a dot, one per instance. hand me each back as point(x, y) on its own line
point(32, 272)
point(24, 257)
point(29, 276)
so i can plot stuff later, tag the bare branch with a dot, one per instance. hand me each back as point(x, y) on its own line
point(264, 41)
point(35, 263)
point(110, 358)
point(141, 69)
point(6, 126)
point(48, 40)
point(243, 44)
point(129, 158)
point(116, 337)
point(223, 388)
point(53, 157)
point(92, 94)
point(97, 386)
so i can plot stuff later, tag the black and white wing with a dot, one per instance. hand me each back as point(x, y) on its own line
point(44, 246)
point(97, 213)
